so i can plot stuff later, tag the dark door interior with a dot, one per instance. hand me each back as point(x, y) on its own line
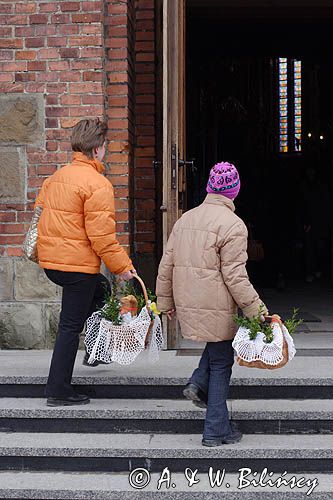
point(234, 95)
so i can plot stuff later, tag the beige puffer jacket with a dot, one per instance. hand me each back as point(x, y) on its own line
point(202, 273)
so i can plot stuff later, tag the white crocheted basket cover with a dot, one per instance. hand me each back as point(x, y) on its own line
point(122, 344)
point(259, 350)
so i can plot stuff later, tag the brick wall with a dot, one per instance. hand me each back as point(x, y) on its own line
point(54, 49)
point(61, 61)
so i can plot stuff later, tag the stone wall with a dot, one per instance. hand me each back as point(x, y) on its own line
point(61, 61)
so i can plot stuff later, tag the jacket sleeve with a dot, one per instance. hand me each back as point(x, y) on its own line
point(164, 288)
point(233, 254)
point(100, 225)
point(41, 195)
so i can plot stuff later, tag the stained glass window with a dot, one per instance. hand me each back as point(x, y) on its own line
point(290, 105)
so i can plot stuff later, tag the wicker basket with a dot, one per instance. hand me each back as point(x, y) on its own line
point(123, 343)
point(263, 365)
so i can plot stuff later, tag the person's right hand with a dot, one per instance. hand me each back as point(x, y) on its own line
point(127, 276)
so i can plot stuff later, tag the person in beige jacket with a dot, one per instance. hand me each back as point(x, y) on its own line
point(202, 277)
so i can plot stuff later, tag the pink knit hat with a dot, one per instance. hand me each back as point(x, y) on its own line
point(224, 179)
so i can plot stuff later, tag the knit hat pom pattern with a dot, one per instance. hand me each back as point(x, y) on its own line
point(224, 179)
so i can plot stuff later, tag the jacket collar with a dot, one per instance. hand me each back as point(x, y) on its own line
point(95, 163)
point(219, 199)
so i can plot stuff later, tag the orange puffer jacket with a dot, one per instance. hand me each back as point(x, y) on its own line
point(77, 227)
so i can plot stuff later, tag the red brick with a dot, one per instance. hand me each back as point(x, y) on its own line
point(145, 24)
point(92, 76)
point(6, 31)
point(6, 55)
point(69, 76)
point(83, 111)
point(50, 146)
point(69, 122)
point(69, 53)
point(35, 87)
point(17, 20)
point(52, 99)
point(56, 88)
point(25, 8)
point(117, 31)
point(81, 88)
point(117, 54)
point(116, 43)
point(47, 30)
point(6, 8)
point(61, 19)
point(7, 77)
point(92, 6)
point(59, 65)
point(57, 111)
point(39, 19)
point(24, 31)
point(11, 43)
point(116, 21)
point(89, 29)
point(119, 169)
point(91, 52)
point(118, 112)
point(69, 100)
point(118, 77)
point(13, 66)
point(145, 4)
point(48, 54)
point(12, 228)
point(93, 99)
point(36, 66)
point(49, 7)
point(145, 36)
point(7, 217)
point(34, 42)
point(85, 40)
point(12, 239)
point(115, 9)
point(47, 169)
point(119, 90)
point(27, 55)
point(84, 64)
point(25, 77)
point(14, 251)
point(50, 76)
point(117, 124)
point(24, 216)
point(86, 18)
point(68, 29)
point(69, 6)
point(145, 247)
point(56, 41)
point(145, 57)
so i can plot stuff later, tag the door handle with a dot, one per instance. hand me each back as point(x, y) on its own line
point(190, 163)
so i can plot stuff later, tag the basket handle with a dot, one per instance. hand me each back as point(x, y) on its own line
point(274, 318)
point(144, 289)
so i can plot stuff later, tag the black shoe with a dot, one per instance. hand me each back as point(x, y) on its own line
point(194, 394)
point(233, 438)
point(77, 399)
point(95, 363)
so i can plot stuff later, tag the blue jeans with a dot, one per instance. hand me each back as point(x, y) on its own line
point(213, 377)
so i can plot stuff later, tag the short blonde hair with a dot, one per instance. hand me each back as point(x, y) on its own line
point(88, 135)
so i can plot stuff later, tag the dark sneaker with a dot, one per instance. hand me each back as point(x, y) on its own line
point(233, 438)
point(77, 399)
point(194, 394)
point(95, 363)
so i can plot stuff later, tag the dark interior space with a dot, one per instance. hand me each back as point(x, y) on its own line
point(233, 107)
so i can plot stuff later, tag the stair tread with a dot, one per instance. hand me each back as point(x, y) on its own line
point(31, 367)
point(163, 445)
point(167, 408)
point(104, 486)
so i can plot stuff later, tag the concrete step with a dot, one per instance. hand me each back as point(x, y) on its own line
point(82, 486)
point(24, 374)
point(176, 416)
point(125, 452)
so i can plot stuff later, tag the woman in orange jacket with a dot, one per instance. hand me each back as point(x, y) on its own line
point(76, 230)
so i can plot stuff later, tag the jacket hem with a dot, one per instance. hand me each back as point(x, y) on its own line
point(70, 268)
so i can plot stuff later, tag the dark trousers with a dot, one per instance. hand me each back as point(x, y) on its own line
point(82, 294)
point(213, 378)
